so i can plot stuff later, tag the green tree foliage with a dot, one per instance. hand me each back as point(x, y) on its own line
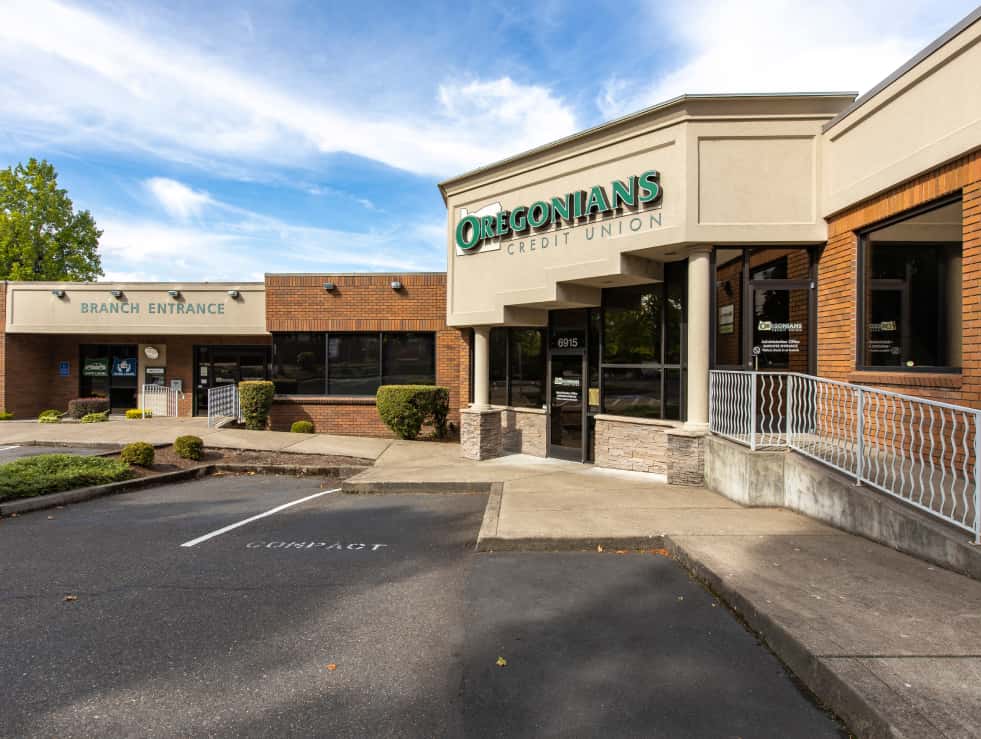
point(41, 235)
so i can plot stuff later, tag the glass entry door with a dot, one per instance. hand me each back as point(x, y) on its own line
point(780, 327)
point(226, 365)
point(566, 407)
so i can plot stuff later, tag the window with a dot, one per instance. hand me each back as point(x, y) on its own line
point(299, 364)
point(517, 367)
point(642, 347)
point(354, 364)
point(911, 274)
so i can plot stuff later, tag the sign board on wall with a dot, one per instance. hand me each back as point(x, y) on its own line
point(726, 319)
point(95, 367)
point(64, 368)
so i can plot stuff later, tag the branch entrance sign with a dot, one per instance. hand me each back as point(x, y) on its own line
point(622, 199)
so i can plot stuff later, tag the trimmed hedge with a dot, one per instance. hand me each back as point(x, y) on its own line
point(50, 413)
point(139, 453)
point(189, 447)
point(302, 427)
point(6, 415)
point(53, 473)
point(138, 413)
point(95, 417)
point(255, 400)
point(81, 407)
point(405, 408)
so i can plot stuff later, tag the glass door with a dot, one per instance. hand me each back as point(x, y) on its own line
point(566, 409)
point(226, 365)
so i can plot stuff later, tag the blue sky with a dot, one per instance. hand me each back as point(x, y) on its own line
point(222, 140)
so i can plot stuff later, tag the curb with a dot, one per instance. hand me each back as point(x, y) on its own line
point(355, 487)
point(53, 500)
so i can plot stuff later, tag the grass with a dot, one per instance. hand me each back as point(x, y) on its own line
point(52, 473)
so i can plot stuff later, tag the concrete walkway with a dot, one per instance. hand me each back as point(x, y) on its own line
point(890, 643)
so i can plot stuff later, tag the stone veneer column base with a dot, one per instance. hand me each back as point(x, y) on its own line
point(480, 433)
point(686, 457)
point(523, 430)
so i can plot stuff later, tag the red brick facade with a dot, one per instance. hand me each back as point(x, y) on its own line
point(838, 287)
point(30, 382)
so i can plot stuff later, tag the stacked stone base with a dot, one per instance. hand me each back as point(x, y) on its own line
point(524, 431)
point(480, 433)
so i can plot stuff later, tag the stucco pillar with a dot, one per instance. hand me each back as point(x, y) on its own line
point(481, 368)
point(480, 425)
point(699, 306)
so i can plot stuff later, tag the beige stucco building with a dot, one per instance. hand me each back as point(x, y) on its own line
point(605, 274)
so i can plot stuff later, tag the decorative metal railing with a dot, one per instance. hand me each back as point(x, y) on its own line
point(924, 452)
point(160, 400)
point(223, 405)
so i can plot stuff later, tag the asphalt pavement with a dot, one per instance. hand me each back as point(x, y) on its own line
point(10, 452)
point(356, 616)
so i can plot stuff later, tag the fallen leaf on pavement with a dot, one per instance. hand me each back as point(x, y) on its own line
point(599, 547)
point(331, 667)
point(660, 552)
point(70, 598)
point(501, 662)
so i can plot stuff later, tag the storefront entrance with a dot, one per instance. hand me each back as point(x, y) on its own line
point(566, 409)
point(224, 365)
point(109, 371)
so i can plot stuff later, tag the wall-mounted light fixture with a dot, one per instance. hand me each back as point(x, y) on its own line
point(330, 286)
point(117, 294)
point(58, 293)
point(233, 293)
point(174, 294)
point(396, 285)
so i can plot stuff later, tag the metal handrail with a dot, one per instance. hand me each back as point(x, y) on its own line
point(922, 451)
point(160, 400)
point(223, 405)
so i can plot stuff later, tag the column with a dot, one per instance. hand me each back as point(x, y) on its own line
point(480, 425)
point(699, 306)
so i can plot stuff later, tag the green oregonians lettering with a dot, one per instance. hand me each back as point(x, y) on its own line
point(154, 309)
point(569, 208)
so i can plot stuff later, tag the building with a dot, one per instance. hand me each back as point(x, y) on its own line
point(327, 341)
point(604, 274)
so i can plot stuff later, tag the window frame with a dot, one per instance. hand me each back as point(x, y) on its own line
point(864, 242)
point(508, 384)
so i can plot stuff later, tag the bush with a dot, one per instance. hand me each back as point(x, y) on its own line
point(138, 413)
point(302, 427)
point(6, 415)
point(51, 413)
point(81, 407)
point(189, 447)
point(95, 417)
point(52, 473)
point(405, 408)
point(139, 453)
point(49, 419)
point(255, 400)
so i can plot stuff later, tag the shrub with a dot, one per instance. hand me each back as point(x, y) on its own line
point(139, 453)
point(189, 447)
point(95, 417)
point(49, 419)
point(405, 408)
point(81, 407)
point(302, 427)
point(51, 413)
point(6, 415)
point(255, 400)
point(52, 473)
point(138, 413)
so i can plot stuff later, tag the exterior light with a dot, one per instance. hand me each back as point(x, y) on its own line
point(329, 286)
point(117, 294)
point(58, 293)
point(174, 294)
point(233, 293)
point(396, 285)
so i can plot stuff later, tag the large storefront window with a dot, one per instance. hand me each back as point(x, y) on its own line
point(109, 371)
point(517, 367)
point(642, 332)
point(911, 275)
point(351, 363)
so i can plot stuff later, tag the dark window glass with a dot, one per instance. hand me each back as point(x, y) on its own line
point(409, 359)
point(94, 371)
point(775, 270)
point(632, 391)
point(298, 364)
point(527, 365)
point(499, 366)
point(632, 324)
point(729, 307)
point(353, 366)
point(675, 278)
point(672, 394)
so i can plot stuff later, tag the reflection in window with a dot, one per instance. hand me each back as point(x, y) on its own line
point(298, 364)
point(409, 359)
point(912, 315)
point(517, 367)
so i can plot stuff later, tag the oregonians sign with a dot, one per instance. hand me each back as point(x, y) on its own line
point(570, 209)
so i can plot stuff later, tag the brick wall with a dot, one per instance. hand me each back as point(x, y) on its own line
point(838, 290)
point(366, 302)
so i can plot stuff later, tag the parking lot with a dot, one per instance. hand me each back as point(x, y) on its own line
point(10, 452)
point(156, 614)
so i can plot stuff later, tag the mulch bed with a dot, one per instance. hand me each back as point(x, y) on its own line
point(166, 460)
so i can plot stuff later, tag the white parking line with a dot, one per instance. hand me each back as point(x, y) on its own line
point(8, 448)
point(271, 511)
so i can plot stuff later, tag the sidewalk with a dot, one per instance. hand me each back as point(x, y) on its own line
point(890, 643)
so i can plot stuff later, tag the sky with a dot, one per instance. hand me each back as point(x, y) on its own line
point(222, 140)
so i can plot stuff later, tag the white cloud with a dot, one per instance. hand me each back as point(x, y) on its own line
point(178, 199)
point(778, 46)
point(69, 77)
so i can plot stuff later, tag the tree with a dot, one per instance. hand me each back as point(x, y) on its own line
point(41, 235)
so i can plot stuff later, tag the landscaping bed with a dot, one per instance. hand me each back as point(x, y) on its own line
point(166, 460)
point(28, 477)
